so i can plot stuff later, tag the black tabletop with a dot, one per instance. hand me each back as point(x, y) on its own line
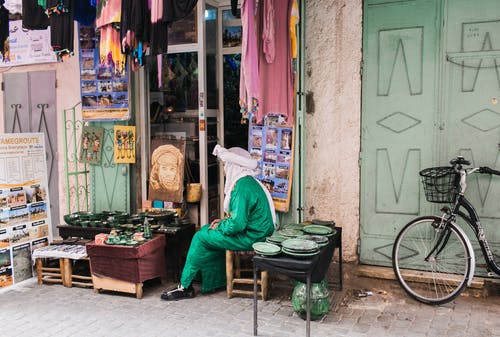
point(299, 268)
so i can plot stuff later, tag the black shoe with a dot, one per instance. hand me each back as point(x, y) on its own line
point(178, 293)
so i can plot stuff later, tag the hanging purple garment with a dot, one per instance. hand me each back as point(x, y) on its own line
point(275, 60)
point(249, 70)
point(34, 16)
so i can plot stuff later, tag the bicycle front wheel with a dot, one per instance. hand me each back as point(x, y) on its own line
point(431, 263)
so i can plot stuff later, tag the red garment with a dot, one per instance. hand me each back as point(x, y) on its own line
point(275, 60)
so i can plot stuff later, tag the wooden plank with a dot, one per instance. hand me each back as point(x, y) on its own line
point(387, 273)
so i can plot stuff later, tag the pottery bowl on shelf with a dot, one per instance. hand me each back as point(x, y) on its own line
point(70, 219)
point(85, 223)
point(94, 223)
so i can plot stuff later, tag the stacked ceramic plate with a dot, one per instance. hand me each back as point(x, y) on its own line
point(300, 247)
point(321, 240)
point(276, 239)
point(319, 230)
point(293, 226)
point(289, 232)
point(266, 248)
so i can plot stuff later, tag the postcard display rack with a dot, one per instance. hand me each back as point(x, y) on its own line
point(272, 146)
point(24, 204)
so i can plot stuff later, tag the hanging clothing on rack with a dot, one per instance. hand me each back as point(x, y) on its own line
point(34, 17)
point(4, 33)
point(234, 8)
point(294, 20)
point(249, 68)
point(60, 13)
point(174, 10)
point(159, 29)
point(108, 16)
point(275, 60)
point(135, 28)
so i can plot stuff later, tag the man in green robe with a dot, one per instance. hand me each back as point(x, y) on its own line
point(250, 217)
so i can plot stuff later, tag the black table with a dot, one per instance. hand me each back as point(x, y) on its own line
point(310, 270)
point(178, 239)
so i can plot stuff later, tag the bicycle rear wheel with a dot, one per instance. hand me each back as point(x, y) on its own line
point(441, 277)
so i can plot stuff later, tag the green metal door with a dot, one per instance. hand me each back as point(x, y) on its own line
point(110, 183)
point(400, 52)
point(431, 86)
point(471, 95)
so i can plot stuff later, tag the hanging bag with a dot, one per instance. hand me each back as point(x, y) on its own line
point(193, 190)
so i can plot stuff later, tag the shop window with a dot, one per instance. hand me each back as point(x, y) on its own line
point(211, 57)
point(231, 30)
point(235, 133)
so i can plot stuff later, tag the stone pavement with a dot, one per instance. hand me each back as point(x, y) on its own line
point(29, 309)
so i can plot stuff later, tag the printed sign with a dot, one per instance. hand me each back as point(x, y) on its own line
point(27, 46)
point(272, 147)
point(24, 204)
point(104, 85)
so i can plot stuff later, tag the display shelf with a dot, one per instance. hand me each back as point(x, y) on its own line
point(66, 231)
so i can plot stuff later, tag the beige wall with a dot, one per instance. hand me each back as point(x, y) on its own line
point(67, 95)
point(333, 87)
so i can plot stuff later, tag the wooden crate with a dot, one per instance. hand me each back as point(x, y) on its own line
point(107, 283)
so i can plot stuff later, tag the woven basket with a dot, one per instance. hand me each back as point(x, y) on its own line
point(193, 192)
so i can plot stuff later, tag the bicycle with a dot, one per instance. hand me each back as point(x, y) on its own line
point(432, 257)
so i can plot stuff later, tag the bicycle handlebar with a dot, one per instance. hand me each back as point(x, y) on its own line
point(459, 161)
point(488, 170)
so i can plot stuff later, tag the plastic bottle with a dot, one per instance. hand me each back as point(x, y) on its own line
point(147, 229)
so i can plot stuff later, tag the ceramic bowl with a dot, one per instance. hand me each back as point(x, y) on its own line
point(85, 223)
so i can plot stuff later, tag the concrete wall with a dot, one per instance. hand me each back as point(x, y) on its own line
point(333, 87)
point(67, 95)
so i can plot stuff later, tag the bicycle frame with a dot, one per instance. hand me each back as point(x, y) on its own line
point(473, 220)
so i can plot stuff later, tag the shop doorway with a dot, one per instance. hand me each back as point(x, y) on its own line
point(431, 86)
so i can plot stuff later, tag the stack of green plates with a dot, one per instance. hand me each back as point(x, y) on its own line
point(293, 226)
point(321, 240)
point(319, 230)
point(300, 247)
point(289, 232)
point(329, 223)
point(276, 239)
point(266, 248)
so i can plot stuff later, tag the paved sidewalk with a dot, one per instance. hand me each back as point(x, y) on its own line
point(31, 310)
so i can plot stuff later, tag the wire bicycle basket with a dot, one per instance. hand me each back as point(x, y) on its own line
point(440, 184)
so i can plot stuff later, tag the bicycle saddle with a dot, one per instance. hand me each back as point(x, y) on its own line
point(459, 161)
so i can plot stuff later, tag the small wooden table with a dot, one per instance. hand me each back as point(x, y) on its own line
point(62, 271)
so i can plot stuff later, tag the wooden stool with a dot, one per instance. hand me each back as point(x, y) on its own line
point(71, 278)
point(234, 275)
point(63, 274)
point(49, 274)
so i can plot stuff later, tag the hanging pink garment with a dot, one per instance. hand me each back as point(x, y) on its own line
point(275, 60)
point(249, 69)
